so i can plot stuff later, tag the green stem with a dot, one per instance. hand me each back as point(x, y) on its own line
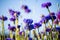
point(3, 36)
point(48, 10)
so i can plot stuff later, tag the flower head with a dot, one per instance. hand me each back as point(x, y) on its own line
point(48, 4)
point(37, 25)
point(12, 12)
point(30, 38)
point(18, 26)
point(9, 39)
point(24, 7)
point(12, 28)
point(58, 28)
point(27, 10)
point(53, 17)
point(28, 21)
point(3, 18)
point(48, 29)
point(48, 17)
point(30, 27)
point(52, 14)
point(20, 33)
point(12, 19)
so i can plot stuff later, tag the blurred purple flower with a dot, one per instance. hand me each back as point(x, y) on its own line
point(12, 12)
point(48, 4)
point(12, 28)
point(54, 17)
point(20, 33)
point(58, 28)
point(58, 15)
point(28, 21)
point(18, 26)
point(48, 29)
point(37, 25)
point(24, 7)
point(9, 39)
point(30, 27)
point(12, 19)
point(27, 10)
point(3, 18)
point(52, 14)
point(50, 17)
point(30, 38)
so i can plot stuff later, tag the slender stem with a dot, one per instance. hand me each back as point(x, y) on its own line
point(17, 36)
point(48, 10)
point(11, 35)
point(3, 36)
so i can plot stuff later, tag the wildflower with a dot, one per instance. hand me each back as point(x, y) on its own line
point(24, 7)
point(18, 26)
point(12, 12)
point(52, 14)
point(37, 25)
point(48, 4)
point(12, 28)
point(12, 19)
point(28, 21)
point(58, 28)
point(4, 18)
point(30, 27)
point(27, 10)
point(9, 39)
point(48, 29)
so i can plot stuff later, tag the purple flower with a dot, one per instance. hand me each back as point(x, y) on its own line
point(20, 33)
point(52, 14)
point(24, 7)
point(58, 28)
point(12, 12)
point(48, 4)
point(37, 25)
point(28, 21)
point(3, 18)
point(18, 26)
point(27, 10)
point(53, 17)
point(12, 19)
point(45, 19)
point(30, 38)
point(48, 29)
point(48, 17)
point(12, 28)
point(9, 39)
point(30, 27)
point(58, 15)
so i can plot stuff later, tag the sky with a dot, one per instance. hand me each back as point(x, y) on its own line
point(34, 5)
